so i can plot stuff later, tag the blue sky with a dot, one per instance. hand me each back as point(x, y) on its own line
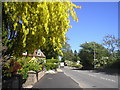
point(96, 19)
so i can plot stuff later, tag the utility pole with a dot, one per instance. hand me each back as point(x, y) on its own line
point(94, 55)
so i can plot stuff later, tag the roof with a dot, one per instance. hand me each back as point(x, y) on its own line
point(37, 53)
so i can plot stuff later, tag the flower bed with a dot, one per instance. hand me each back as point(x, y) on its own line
point(21, 67)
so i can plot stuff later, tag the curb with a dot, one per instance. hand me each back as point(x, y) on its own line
point(30, 86)
point(80, 84)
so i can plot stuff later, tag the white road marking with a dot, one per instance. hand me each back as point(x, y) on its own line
point(96, 73)
point(107, 79)
point(92, 75)
point(96, 76)
point(102, 78)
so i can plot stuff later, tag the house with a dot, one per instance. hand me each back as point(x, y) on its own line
point(37, 53)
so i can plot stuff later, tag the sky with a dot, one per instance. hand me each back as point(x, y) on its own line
point(96, 20)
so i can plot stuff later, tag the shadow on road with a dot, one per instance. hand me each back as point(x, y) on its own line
point(106, 71)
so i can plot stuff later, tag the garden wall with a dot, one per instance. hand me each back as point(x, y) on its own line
point(33, 77)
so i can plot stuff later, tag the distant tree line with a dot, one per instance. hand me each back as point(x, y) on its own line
point(94, 55)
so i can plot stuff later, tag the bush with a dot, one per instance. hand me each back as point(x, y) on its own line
point(114, 65)
point(10, 68)
point(28, 67)
point(76, 66)
point(52, 61)
point(21, 66)
point(50, 66)
point(29, 64)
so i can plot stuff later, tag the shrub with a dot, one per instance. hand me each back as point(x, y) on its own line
point(28, 67)
point(21, 66)
point(114, 64)
point(52, 61)
point(29, 64)
point(76, 66)
point(10, 67)
point(50, 66)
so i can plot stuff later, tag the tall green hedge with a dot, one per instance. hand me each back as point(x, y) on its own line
point(51, 64)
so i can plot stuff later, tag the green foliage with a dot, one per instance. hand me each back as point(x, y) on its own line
point(69, 62)
point(29, 67)
point(86, 58)
point(52, 60)
point(75, 57)
point(26, 64)
point(41, 60)
point(111, 42)
point(91, 54)
point(76, 66)
point(24, 72)
point(51, 64)
point(5, 72)
point(114, 64)
point(10, 67)
point(67, 53)
point(33, 66)
point(23, 60)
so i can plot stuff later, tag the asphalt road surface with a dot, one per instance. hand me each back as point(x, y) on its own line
point(58, 80)
point(90, 79)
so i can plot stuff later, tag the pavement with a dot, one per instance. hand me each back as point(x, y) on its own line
point(50, 71)
point(59, 70)
point(56, 80)
point(91, 79)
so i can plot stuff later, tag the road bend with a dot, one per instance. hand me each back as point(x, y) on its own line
point(90, 79)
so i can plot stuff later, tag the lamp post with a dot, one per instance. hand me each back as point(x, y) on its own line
point(94, 55)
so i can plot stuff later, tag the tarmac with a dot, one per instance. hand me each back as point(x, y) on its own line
point(55, 80)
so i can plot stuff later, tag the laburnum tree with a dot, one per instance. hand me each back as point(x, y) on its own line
point(38, 25)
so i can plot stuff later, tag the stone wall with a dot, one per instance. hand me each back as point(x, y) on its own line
point(33, 77)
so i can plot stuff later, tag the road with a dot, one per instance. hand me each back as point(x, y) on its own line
point(90, 79)
point(58, 80)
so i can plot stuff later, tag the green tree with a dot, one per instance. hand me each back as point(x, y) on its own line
point(67, 53)
point(111, 42)
point(75, 57)
point(91, 54)
point(86, 58)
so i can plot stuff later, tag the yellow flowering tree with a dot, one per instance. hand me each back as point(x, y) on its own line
point(39, 25)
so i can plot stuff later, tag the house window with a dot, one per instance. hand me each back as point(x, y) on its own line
point(38, 53)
